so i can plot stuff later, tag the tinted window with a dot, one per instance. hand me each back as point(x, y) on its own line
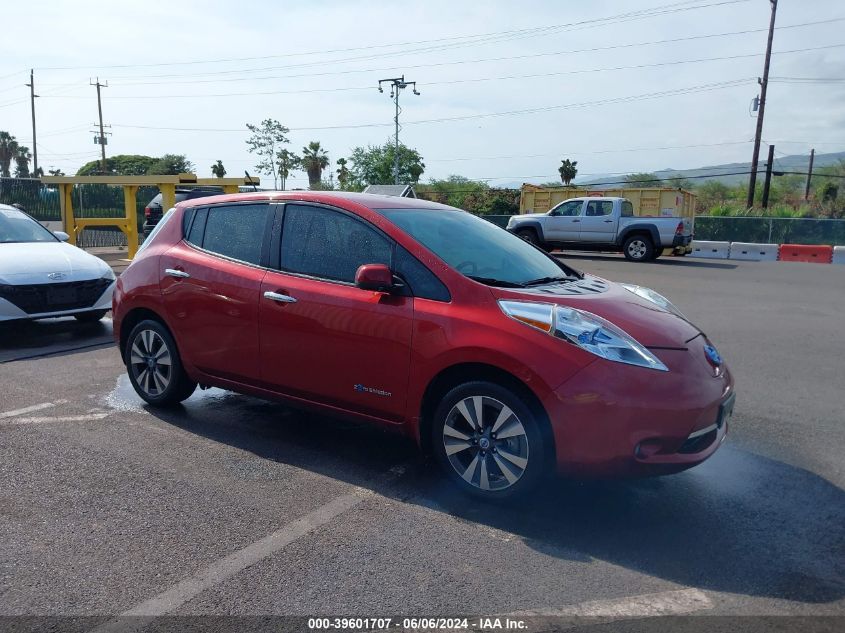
point(422, 282)
point(197, 227)
point(16, 226)
point(475, 247)
point(627, 209)
point(571, 208)
point(599, 207)
point(329, 244)
point(237, 231)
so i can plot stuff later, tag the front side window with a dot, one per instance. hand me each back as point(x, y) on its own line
point(16, 226)
point(236, 231)
point(329, 244)
point(571, 208)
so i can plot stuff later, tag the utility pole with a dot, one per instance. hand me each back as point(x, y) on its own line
point(101, 139)
point(764, 85)
point(768, 183)
point(397, 84)
point(809, 174)
point(32, 97)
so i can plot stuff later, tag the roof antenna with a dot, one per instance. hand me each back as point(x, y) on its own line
point(250, 180)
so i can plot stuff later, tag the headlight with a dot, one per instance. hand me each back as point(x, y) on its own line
point(655, 297)
point(588, 331)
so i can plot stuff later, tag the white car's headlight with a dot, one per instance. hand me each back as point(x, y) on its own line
point(655, 297)
point(588, 331)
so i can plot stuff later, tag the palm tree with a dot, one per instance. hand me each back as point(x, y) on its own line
point(8, 151)
point(22, 159)
point(286, 162)
point(568, 170)
point(342, 173)
point(314, 161)
point(218, 170)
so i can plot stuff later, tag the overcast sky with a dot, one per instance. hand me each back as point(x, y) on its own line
point(318, 65)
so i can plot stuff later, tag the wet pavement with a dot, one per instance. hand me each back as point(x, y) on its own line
point(233, 505)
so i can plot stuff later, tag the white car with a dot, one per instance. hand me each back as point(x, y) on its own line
point(41, 276)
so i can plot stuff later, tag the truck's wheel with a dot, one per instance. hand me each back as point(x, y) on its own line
point(530, 236)
point(638, 248)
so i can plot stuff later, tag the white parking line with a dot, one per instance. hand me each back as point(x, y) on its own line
point(223, 569)
point(676, 602)
point(57, 418)
point(35, 407)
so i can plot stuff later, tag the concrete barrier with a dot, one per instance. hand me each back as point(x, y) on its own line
point(711, 250)
point(838, 255)
point(805, 253)
point(754, 252)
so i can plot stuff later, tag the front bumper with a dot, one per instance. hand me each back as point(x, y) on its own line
point(11, 312)
point(613, 420)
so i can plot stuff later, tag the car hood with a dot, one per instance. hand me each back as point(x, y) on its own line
point(527, 216)
point(31, 262)
point(647, 322)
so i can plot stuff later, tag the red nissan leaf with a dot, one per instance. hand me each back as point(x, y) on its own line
point(501, 360)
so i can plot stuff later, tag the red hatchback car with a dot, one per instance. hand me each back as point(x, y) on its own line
point(503, 361)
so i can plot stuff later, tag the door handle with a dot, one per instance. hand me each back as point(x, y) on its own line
point(275, 296)
point(181, 274)
point(574, 221)
point(608, 221)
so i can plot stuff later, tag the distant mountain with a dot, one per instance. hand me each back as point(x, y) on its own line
point(797, 162)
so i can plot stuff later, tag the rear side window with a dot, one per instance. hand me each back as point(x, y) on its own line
point(236, 231)
point(627, 209)
point(195, 230)
point(599, 207)
point(329, 244)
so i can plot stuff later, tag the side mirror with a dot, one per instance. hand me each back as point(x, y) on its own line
point(64, 237)
point(374, 277)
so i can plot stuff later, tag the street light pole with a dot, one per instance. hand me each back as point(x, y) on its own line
point(397, 84)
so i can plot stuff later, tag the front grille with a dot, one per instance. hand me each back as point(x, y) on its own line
point(38, 298)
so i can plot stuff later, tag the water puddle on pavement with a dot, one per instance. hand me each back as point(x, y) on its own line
point(124, 398)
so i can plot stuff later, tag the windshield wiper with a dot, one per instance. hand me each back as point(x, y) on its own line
point(492, 281)
point(547, 280)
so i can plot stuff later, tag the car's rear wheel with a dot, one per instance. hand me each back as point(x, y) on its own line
point(488, 441)
point(90, 317)
point(638, 248)
point(154, 366)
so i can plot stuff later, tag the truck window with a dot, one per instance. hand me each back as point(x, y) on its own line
point(600, 207)
point(570, 208)
point(627, 209)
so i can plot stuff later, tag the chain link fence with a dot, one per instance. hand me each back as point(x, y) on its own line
point(89, 201)
point(770, 230)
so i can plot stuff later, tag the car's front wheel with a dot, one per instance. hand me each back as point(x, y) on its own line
point(154, 366)
point(488, 441)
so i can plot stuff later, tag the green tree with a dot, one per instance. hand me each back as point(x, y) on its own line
point(314, 161)
point(286, 162)
point(373, 165)
point(568, 170)
point(22, 159)
point(266, 142)
point(217, 169)
point(679, 182)
point(642, 179)
point(171, 165)
point(342, 173)
point(55, 172)
point(8, 151)
point(120, 165)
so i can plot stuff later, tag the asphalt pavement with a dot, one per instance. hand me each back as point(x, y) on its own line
point(231, 505)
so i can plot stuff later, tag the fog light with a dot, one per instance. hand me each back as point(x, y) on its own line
point(647, 448)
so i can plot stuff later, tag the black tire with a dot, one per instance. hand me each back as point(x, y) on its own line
point(530, 236)
point(526, 451)
point(90, 317)
point(159, 383)
point(638, 248)
point(657, 253)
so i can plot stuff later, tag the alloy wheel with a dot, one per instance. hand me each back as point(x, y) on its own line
point(637, 249)
point(486, 443)
point(150, 362)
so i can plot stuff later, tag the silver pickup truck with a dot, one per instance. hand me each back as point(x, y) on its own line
point(603, 224)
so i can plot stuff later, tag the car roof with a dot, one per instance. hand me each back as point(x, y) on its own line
point(369, 200)
point(595, 198)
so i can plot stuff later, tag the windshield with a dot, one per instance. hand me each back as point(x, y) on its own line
point(16, 226)
point(477, 248)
